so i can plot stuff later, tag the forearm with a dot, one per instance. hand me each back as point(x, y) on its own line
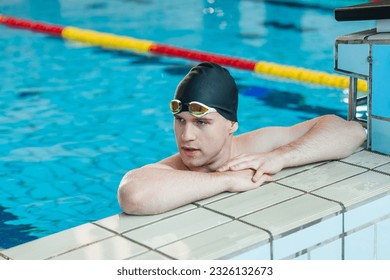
point(154, 190)
point(330, 138)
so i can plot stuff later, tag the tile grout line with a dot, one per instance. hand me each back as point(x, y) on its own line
point(135, 241)
point(313, 247)
point(190, 235)
point(367, 224)
point(329, 184)
point(270, 239)
point(379, 171)
point(238, 219)
point(146, 246)
point(301, 171)
point(149, 223)
point(343, 160)
point(77, 248)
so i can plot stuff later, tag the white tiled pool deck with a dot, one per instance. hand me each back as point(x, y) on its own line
point(330, 210)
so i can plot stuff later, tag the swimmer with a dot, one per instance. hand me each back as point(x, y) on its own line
point(212, 160)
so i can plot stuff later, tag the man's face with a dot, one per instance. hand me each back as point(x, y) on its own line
point(203, 143)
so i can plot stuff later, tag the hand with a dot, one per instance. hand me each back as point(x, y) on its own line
point(240, 181)
point(260, 163)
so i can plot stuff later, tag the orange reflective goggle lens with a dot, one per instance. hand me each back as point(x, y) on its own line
point(196, 109)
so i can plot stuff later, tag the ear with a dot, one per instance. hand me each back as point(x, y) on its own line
point(233, 127)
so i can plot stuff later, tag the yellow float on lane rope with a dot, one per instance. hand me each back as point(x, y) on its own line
point(305, 75)
point(106, 40)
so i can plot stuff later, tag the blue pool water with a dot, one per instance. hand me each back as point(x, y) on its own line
point(74, 118)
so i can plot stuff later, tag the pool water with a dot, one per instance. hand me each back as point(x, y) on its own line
point(75, 118)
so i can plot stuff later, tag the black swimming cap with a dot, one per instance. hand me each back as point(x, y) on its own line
point(212, 85)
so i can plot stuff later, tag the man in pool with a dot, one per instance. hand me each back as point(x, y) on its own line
point(211, 160)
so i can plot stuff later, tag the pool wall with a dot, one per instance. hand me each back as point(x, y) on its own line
point(336, 210)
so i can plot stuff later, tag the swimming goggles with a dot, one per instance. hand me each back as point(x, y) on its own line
point(196, 109)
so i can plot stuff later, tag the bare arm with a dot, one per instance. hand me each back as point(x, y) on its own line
point(158, 188)
point(326, 138)
point(323, 138)
point(166, 185)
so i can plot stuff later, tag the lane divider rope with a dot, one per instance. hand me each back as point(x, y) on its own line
point(111, 41)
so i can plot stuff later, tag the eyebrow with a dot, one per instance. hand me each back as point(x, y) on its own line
point(203, 119)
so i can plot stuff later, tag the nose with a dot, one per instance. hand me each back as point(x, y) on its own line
point(188, 133)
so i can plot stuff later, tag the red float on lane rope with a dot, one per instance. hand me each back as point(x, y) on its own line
point(31, 25)
point(202, 56)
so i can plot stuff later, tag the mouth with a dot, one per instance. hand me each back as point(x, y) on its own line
point(189, 151)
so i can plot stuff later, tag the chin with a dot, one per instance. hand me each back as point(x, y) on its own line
point(192, 163)
point(197, 165)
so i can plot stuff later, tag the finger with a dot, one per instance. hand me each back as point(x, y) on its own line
point(241, 162)
point(256, 177)
point(228, 165)
point(244, 165)
point(223, 168)
point(264, 178)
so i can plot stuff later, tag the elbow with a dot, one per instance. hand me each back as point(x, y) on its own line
point(357, 137)
point(130, 196)
point(128, 199)
point(360, 134)
point(357, 133)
